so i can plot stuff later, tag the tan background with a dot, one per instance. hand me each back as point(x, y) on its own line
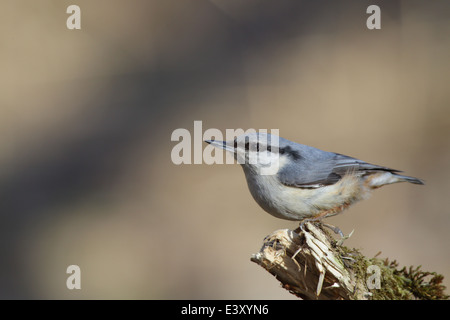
point(86, 118)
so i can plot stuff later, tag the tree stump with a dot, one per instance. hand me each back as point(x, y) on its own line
point(311, 264)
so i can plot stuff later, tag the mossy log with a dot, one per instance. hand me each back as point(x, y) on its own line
point(311, 264)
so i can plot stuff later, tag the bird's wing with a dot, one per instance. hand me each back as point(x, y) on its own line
point(323, 172)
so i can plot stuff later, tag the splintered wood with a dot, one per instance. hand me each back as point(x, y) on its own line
point(308, 265)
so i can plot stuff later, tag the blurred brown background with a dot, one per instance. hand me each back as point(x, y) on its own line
point(86, 118)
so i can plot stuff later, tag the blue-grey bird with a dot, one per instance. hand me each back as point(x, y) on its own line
point(304, 182)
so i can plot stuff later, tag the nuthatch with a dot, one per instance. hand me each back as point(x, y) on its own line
point(301, 182)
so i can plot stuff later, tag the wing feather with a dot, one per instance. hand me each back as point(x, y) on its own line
point(324, 171)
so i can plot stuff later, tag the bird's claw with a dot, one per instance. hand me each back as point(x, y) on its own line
point(334, 228)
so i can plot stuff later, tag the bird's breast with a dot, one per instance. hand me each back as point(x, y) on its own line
point(294, 203)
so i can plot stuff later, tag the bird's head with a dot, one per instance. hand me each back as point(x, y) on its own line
point(261, 153)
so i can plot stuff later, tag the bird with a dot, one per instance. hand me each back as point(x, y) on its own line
point(297, 182)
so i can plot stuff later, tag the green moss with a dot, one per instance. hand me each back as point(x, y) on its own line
point(423, 285)
point(396, 284)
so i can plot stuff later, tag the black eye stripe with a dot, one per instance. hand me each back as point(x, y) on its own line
point(293, 154)
point(247, 146)
point(258, 146)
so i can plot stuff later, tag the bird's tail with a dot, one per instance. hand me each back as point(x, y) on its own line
point(383, 178)
point(409, 179)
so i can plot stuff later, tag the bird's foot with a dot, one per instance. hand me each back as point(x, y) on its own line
point(335, 229)
point(318, 219)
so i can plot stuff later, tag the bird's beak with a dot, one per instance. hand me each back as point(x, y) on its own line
point(221, 145)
